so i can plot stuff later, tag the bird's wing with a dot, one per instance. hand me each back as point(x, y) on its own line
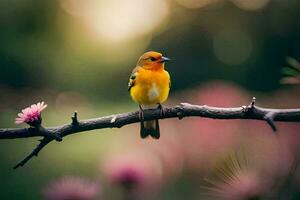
point(132, 78)
point(169, 79)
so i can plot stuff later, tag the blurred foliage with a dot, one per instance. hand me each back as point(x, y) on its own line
point(77, 55)
point(51, 44)
point(291, 72)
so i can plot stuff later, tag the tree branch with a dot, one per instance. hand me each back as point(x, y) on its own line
point(118, 120)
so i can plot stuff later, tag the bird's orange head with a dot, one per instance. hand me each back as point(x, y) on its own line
point(152, 60)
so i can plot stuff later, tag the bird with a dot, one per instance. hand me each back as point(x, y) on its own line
point(149, 86)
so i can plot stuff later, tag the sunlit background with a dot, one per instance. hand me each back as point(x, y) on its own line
point(78, 55)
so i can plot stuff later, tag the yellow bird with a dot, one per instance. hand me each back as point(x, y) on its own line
point(149, 86)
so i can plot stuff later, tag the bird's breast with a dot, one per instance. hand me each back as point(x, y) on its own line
point(153, 92)
point(151, 87)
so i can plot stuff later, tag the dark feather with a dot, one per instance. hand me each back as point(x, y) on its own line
point(150, 128)
point(132, 78)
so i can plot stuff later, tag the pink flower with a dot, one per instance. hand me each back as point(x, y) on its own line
point(130, 176)
point(236, 178)
point(204, 139)
point(139, 172)
point(72, 188)
point(242, 186)
point(31, 115)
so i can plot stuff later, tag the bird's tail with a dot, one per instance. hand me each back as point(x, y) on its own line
point(150, 128)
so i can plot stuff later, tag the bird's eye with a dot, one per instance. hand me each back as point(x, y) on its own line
point(152, 59)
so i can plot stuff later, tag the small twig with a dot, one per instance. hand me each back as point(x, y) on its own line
point(35, 151)
point(116, 121)
point(253, 102)
point(269, 117)
point(75, 119)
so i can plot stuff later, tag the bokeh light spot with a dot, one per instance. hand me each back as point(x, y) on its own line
point(197, 3)
point(232, 47)
point(117, 21)
point(251, 5)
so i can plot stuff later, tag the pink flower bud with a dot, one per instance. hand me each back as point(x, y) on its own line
point(31, 115)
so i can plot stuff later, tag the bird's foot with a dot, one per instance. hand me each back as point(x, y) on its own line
point(141, 116)
point(161, 109)
point(141, 113)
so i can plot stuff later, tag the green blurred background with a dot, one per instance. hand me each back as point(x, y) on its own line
point(78, 55)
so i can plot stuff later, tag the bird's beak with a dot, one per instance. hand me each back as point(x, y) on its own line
point(164, 59)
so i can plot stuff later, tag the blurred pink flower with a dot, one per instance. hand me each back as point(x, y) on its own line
point(237, 178)
point(222, 94)
point(168, 149)
point(205, 139)
point(128, 175)
point(137, 171)
point(31, 115)
point(242, 186)
point(72, 188)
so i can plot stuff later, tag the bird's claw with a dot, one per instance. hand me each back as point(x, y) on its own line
point(141, 113)
point(161, 109)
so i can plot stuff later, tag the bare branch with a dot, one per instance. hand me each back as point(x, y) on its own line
point(117, 121)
